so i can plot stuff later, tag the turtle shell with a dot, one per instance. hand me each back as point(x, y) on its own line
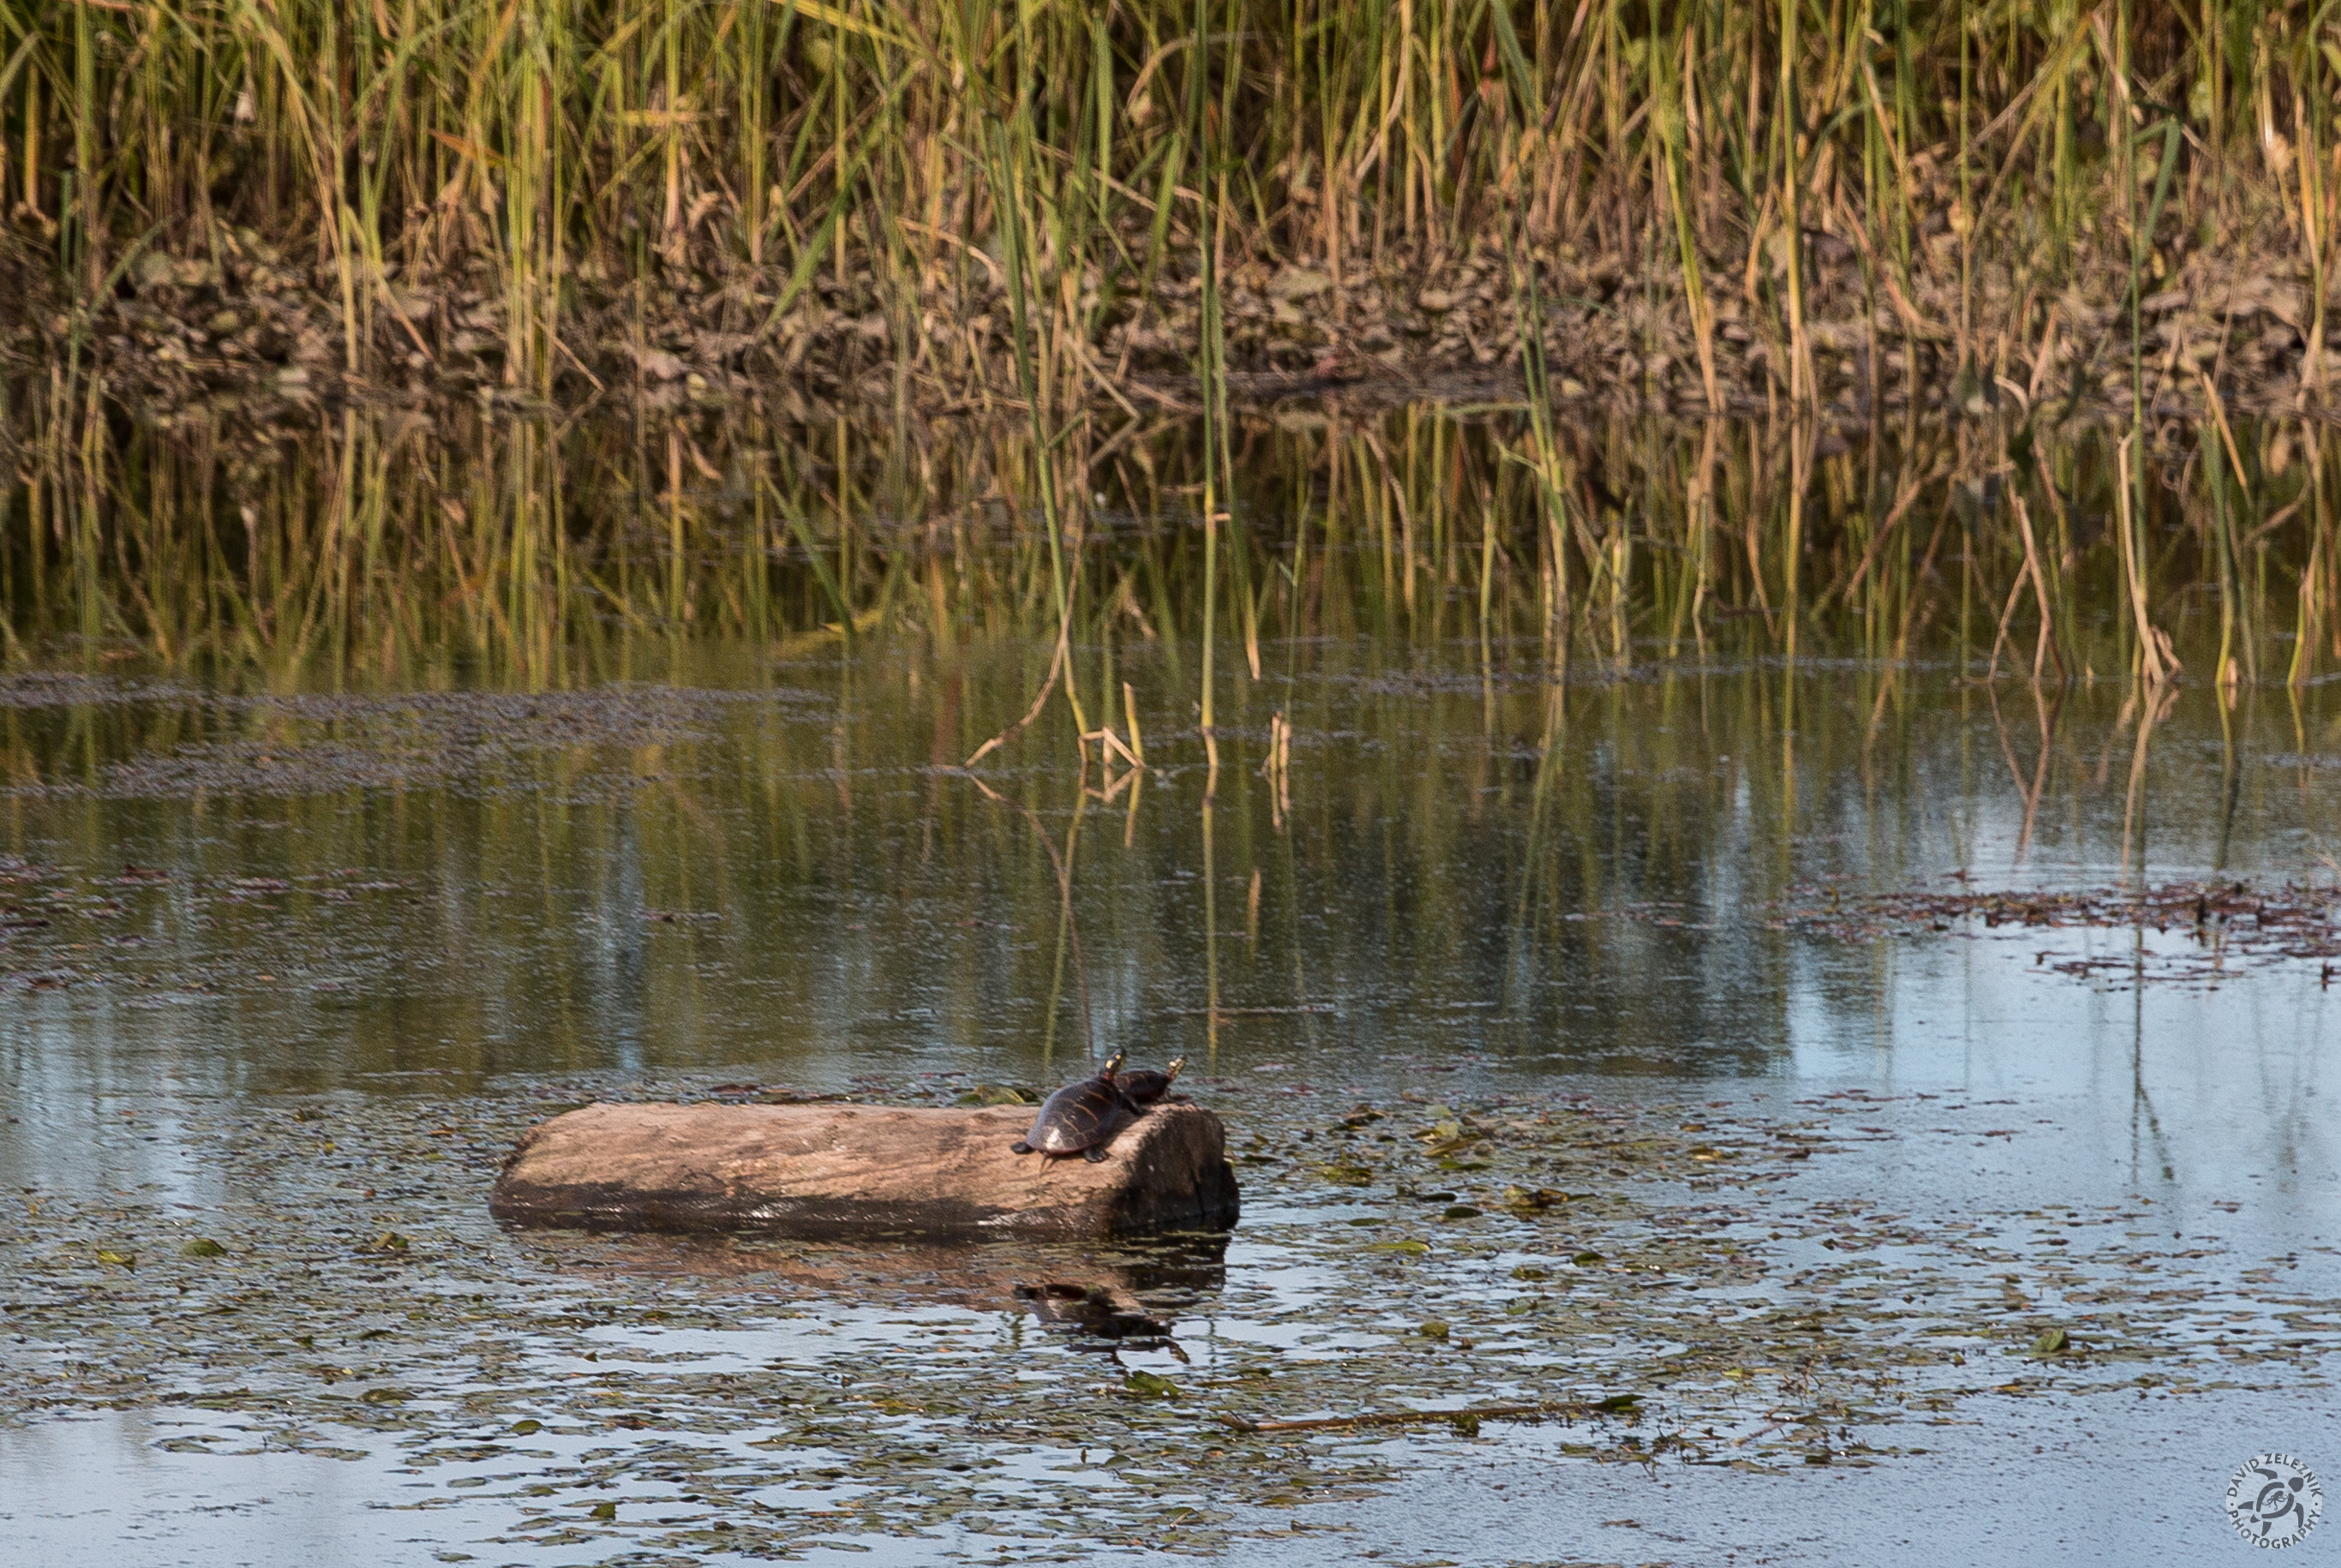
point(1082, 1114)
point(1144, 1086)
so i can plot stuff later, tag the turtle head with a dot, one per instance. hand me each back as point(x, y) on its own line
point(1171, 1071)
point(1112, 1065)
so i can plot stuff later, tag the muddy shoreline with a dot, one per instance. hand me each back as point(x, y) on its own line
point(256, 331)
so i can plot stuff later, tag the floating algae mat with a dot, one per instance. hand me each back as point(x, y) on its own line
point(2184, 931)
point(1652, 1283)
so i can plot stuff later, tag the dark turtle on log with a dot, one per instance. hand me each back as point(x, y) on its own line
point(1082, 1117)
point(1144, 1086)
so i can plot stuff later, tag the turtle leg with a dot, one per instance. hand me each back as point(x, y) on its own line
point(1094, 1154)
point(1020, 1147)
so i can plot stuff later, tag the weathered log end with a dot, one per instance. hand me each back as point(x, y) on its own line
point(835, 1170)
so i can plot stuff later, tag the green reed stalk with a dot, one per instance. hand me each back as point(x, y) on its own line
point(1785, 108)
point(1210, 370)
point(2313, 601)
point(1666, 107)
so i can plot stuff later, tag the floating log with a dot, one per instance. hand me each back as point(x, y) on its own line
point(840, 1170)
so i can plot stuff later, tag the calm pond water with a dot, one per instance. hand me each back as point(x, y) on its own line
point(1580, 1033)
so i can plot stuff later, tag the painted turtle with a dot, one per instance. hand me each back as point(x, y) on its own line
point(1082, 1117)
point(1144, 1086)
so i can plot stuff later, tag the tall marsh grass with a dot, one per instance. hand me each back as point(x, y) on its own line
point(1085, 153)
